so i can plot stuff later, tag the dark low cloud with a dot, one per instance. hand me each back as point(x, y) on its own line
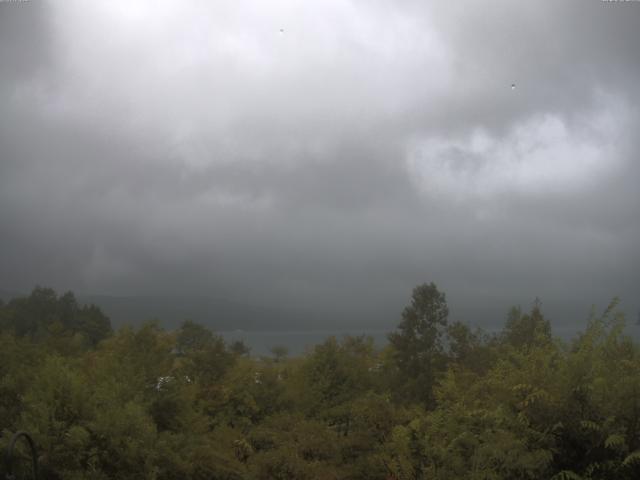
point(194, 149)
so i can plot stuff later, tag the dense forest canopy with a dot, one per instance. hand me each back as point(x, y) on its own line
point(439, 401)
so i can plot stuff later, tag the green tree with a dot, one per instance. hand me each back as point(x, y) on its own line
point(279, 353)
point(59, 321)
point(94, 325)
point(525, 330)
point(332, 376)
point(417, 344)
point(192, 336)
point(469, 349)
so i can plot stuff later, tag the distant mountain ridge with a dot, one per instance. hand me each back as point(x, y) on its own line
point(6, 295)
point(216, 314)
point(220, 314)
point(171, 311)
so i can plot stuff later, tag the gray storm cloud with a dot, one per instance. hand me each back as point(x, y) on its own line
point(193, 147)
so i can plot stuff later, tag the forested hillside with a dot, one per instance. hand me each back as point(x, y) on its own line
point(440, 401)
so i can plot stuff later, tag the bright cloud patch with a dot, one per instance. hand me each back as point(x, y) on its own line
point(544, 153)
point(182, 73)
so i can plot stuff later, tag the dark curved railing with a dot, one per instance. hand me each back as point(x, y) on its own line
point(10, 455)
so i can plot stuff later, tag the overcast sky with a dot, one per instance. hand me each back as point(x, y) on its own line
point(325, 155)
